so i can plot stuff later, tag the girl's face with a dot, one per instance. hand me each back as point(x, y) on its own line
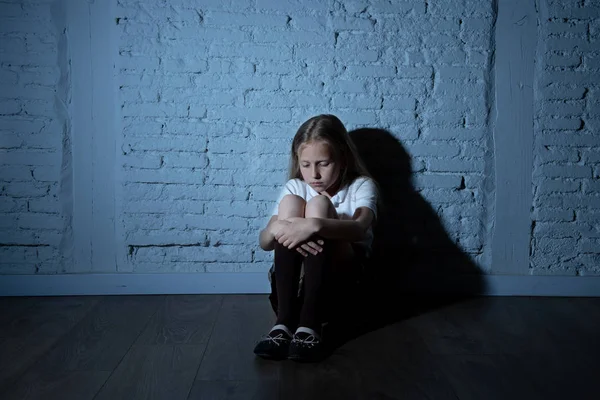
point(317, 166)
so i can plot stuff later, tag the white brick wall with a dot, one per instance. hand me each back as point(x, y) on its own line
point(566, 209)
point(32, 122)
point(209, 94)
point(213, 84)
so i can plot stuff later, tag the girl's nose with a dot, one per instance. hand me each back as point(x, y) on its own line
point(315, 173)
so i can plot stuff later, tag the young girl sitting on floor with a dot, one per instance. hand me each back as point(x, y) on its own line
point(321, 231)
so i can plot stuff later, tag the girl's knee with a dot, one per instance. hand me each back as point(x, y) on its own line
point(291, 206)
point(292, 199)
point(320, 206)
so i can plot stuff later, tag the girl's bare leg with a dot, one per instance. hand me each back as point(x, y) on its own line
point(291, 206)
point(321, 207)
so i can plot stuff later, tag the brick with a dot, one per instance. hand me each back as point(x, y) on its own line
point(438, 196)
point(229, 145)
point(8, 77)
point(591, 156)
point(308, 84)
point(397, 7)
point(433, 149)
point(398, 103)
point(142, 191)
point(196, 33)
point(10, 107)
point(158, 206)
point(437, 181)
point(135, 127)
point(138, 63)
point(591, 187)
point(556, 229)
point(278, 68)
point(26, 189)
point(572, 11)
point(8, 10)
point(556, 214)
point(556, 60)
point(341, 23)
point(357, 102)
point(187, 64)
point(220, 177)
point(568, 138)
point(235, 208)
point(257, 178)
point(252, 51)
point(237, 83)
point(207, 192)
point(166, 143)
point(30, 158)
point(562, 109)
point(251, 114)
point(10, 140)
point(44, 205)
point(287, 6)
point(591, 216)
point(551, 186)
point(40, 221)
point(371, 71)
point(142, 161)
point(454, 165)
point(347, 54)
point(154, 110)
point(575, 78)
point(350, 86)
point(263, 99)
point(557, 154)
point(14, 173)
point(164, 176)
point(220, 238)
point(566, 171)
point(309, 23)
point(129, 78)
point(291, 38)
point(571, 27)
point(560, 123)
point(12, 45)
point(47, 173)
point(592, 61)
point(189, 160)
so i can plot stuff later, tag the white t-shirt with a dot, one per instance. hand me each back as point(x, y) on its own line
point(361, 192)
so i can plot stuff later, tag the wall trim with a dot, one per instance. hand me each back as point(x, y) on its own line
point(230, 283)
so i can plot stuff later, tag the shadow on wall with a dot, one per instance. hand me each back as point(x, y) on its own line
point(415, 267)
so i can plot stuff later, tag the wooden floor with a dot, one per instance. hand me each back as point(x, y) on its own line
point(200, 347)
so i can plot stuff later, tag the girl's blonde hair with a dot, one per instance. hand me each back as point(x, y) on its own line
point(328, 128)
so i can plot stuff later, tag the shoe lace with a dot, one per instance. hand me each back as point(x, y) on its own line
point(309, 341)
point(277, 340)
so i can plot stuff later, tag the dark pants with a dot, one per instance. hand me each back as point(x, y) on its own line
point(321, 295)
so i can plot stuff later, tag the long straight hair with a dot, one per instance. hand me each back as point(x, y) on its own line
point(328, 128)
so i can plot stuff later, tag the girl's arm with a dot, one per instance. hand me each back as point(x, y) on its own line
point(353, 230)
point(266, 238)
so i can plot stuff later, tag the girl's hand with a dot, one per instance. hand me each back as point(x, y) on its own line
point(296, 232)
point(278, 226)
point(310, 247)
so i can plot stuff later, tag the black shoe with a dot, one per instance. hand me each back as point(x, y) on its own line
point(306, 347)
point(274, 346)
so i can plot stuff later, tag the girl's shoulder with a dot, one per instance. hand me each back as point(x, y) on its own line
point(295, 186)
point(295, 183)
point(362, 181)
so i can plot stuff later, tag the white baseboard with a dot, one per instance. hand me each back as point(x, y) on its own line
point(230, 283)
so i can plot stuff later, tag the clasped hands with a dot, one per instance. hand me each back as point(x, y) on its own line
point(295, 233)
